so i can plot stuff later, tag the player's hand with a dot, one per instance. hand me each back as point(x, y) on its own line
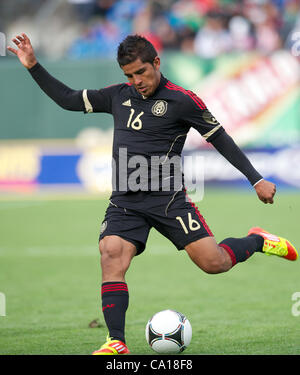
point(265, 191)
point(24, 50)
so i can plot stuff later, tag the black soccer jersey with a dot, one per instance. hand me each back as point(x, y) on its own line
point(149, 131)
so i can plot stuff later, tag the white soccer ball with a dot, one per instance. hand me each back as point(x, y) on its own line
point(168, 332)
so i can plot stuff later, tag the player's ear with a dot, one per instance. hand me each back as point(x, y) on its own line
point(156, 63)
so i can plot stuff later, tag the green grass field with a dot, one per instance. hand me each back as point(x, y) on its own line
point(50, 275)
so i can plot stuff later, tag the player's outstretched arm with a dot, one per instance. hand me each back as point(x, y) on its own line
point(228, 148)
point(63, 95)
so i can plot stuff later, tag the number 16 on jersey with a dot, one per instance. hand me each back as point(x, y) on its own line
point(135, 123)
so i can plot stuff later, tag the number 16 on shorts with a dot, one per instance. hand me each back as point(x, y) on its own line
point(192, 223)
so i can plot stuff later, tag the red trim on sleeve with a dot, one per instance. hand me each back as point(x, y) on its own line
point(171, 86)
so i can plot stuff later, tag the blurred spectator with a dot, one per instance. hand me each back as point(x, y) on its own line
point(103, 37)
point(101, 40)
point(85, 9)
point(102, 7)
point(241, 34)
point(267, 21)
point(166, 34)
point(213, 38)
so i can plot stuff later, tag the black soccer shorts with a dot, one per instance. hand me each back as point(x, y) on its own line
point(132, 215)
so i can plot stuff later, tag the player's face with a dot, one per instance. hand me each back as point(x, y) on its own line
point(144, 76)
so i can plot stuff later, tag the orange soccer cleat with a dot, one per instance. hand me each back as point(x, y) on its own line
point(112, 347)
point(275, 245)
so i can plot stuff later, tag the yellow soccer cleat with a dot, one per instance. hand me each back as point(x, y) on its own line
point(274, 245)
point(112, 347)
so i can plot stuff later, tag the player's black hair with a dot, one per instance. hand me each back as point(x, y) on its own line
point(134, 47)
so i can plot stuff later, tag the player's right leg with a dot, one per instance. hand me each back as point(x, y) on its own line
point(116, 255)
point(123, 235)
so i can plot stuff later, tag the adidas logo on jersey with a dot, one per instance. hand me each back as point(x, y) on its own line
point(127, 103)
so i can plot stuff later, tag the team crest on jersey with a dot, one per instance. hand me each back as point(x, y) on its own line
point(159, 108)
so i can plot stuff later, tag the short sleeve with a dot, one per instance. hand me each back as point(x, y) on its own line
point(99, 100)
point(196, 114)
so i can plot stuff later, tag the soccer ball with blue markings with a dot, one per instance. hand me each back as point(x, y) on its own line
point(168, 332)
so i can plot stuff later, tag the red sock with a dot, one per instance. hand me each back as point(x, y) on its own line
point(240, 249)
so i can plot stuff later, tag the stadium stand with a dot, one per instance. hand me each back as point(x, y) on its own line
point(207, 28)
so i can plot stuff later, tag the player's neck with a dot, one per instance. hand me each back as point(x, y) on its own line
point(159, 81)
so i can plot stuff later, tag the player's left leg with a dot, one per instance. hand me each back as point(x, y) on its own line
point(179, 219)
point(216, 258)
point(208, 256)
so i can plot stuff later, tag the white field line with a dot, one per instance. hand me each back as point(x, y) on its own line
point(20, 204)
point(63, 250)
point(45, 250)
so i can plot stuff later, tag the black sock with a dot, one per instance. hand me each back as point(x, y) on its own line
point(114, 305)
point(240, 249)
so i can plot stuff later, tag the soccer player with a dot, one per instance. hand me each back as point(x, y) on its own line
point(152, 117)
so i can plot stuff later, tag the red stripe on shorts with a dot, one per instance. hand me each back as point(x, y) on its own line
point(201, 218)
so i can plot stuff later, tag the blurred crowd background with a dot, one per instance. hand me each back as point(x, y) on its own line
point(207, 28)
